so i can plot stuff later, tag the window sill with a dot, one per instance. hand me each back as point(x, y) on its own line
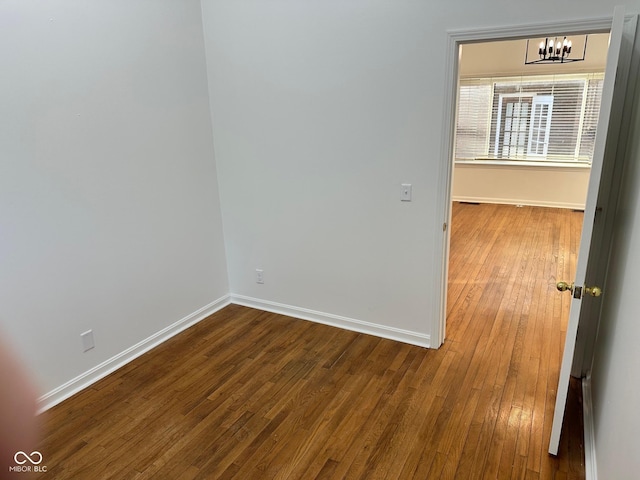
point(524, 164)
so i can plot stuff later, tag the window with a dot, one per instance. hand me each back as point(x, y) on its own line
point(540, 125)
point(543, 118)
point(513, 125)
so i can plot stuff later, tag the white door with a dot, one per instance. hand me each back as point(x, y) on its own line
point(606, 138)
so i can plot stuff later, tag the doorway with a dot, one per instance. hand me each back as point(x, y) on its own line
point(513, 148)
point(601, 200)
point(474, 180)
point(456, 39)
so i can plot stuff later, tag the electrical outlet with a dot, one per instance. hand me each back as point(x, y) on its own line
point(405, 192)
point(87, 340)
point(259, 276)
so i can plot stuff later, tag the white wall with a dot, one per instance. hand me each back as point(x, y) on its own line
point(537, 185)
point(320, 113)
point(321, 110)
point(109, 209)
point(615, 388)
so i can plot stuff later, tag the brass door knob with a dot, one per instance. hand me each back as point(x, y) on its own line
point(564, 286)
point(577, 291)
point(593, 291)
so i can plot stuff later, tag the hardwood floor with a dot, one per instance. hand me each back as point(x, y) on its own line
point(251, 395)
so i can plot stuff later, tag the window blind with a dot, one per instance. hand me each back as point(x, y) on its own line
point(474, 119)
point(542, 118)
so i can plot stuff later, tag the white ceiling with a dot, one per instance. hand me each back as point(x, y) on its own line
point(506, 58)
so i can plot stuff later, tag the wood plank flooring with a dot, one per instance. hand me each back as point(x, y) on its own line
point(252, 395)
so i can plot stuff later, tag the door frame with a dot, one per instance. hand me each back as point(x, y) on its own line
point(456, 38)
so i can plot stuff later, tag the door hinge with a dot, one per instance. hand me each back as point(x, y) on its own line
point(444, 227)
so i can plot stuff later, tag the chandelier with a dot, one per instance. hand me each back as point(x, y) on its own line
point(553, 50)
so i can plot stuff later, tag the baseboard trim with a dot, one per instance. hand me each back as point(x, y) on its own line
point(516, 201)
point(383, 331)
point(100, 371)
point(590, 470)
point(91, 376)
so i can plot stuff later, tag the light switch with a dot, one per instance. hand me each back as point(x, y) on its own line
point(405, 193)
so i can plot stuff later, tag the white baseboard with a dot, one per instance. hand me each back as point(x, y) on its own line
point(590, 470)
point(406, 336)
point(516, 201)
point(91, 376)
point(105, 368)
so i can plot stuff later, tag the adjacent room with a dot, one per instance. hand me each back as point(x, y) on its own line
point(525, 132)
